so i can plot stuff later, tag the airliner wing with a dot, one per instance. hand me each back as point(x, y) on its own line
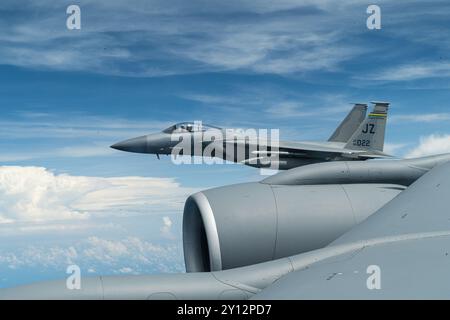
point(400, 252)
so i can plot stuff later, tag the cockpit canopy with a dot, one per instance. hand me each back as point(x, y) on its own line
point(189, 127)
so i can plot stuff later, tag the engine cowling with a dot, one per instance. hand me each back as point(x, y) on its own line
point(249, 223)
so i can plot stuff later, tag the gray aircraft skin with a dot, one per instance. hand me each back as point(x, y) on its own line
point(307, 233)
point(356, 138)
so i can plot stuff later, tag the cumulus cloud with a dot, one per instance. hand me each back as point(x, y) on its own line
point(37, 194)
point(95, 254)
point(166, 229)
point(429, 145)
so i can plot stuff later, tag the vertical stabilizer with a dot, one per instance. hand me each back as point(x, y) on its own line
point(370, 134)
point(350, 124)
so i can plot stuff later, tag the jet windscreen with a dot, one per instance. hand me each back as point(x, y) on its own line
point(189, 127)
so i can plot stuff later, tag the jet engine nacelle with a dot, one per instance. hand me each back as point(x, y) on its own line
point(249, 223)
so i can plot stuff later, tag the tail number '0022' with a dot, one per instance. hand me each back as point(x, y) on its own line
point(361, 143)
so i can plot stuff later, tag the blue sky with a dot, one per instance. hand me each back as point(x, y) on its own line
point(136, 67)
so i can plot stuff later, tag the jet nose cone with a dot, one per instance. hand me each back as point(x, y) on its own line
point(138, 145)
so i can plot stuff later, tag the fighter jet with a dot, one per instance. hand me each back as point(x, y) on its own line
point(356, 138)
point(335, 230)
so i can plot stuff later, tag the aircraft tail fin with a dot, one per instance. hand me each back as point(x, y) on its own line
point(370, 134)
point(349, 125)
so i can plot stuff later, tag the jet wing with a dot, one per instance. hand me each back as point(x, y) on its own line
point(337, 149)
point(292, 147)
point(309, 147)
point(312, 149)
point(400, 252)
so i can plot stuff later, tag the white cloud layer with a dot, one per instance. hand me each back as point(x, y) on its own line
point(37, 194)
point(126, 255)
point(429, 145)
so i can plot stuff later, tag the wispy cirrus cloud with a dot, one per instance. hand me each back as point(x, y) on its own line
point(153, 39)
point(275, 102)
point(43, 125)
point(424, 117)
point(414, 71)
point(74, 151)
point(74, 136)
point(271, 106)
